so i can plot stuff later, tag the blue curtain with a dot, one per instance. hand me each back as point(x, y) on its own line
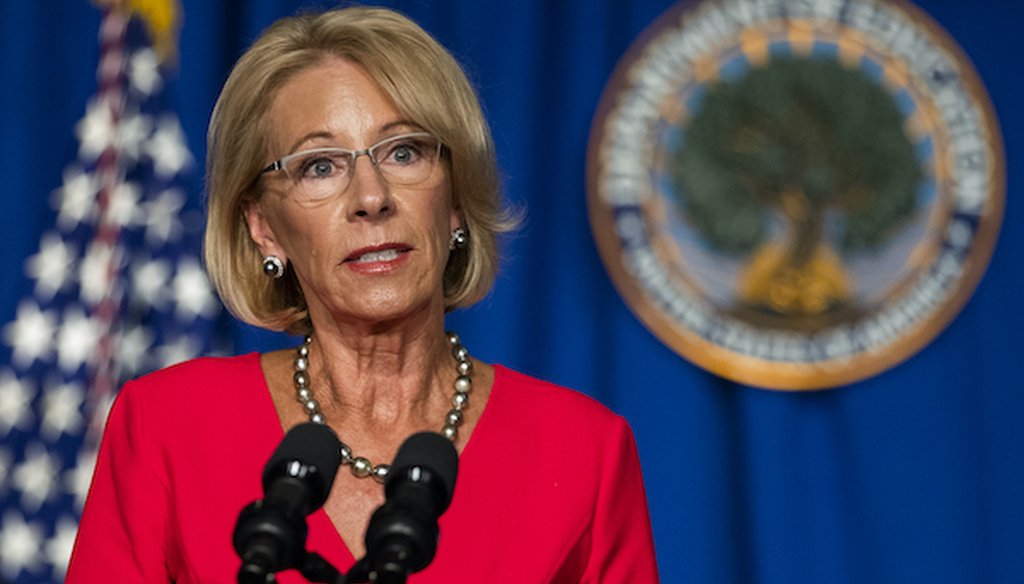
point(916, 475)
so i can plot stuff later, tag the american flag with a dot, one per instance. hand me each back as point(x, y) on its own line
point(116, 289)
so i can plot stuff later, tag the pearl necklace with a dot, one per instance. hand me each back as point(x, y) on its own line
point(360, 466)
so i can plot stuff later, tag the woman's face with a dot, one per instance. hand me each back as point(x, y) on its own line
point(372, 251)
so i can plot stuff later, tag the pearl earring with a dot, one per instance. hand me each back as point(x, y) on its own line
point(273, 266)
point(458, 239)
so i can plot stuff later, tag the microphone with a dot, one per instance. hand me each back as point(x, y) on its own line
point(270, 534)
point(402, 535)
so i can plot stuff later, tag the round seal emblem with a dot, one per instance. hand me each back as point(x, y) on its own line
point(795, 194)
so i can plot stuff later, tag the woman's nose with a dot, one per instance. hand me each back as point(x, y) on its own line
point(369, 195)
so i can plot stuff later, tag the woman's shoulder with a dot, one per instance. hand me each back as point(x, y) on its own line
point(529, 395)
point(569, 437)
point(207, 377)
point(210, 395)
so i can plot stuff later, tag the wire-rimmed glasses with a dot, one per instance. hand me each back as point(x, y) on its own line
point(320, 173)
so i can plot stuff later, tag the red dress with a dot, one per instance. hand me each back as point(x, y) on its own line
point(549, 486)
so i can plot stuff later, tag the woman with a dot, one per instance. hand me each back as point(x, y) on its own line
point(353, 199)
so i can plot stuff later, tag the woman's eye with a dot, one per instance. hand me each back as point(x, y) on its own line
point(403, 153)
point(319, 167)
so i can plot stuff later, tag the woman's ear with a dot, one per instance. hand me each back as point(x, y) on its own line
point(456, 221)
point(261, 232)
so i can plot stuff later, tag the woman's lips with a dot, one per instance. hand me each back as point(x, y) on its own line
point(377, 259)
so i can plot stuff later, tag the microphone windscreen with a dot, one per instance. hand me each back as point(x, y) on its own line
point(316, 447)
point(433, 451)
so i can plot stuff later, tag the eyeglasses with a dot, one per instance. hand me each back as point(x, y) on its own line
point(321, 173)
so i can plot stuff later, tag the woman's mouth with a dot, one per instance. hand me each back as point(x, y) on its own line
point(384, 255)
point(378, 258)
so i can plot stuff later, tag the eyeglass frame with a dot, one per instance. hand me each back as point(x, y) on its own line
point(280, 163)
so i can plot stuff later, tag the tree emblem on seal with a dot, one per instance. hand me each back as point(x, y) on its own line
point(814, 148)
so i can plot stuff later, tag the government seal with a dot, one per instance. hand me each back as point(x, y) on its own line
point(795, 194)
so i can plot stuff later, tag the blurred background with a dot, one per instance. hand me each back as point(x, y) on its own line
point(914, 475)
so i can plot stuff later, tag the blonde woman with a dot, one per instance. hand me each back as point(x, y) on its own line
point(353, 200)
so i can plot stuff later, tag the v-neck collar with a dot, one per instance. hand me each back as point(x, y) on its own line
point(323, 536)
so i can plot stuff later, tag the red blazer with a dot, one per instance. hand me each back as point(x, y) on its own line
point(549, 486)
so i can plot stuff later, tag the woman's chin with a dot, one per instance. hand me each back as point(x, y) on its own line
point(381, 305)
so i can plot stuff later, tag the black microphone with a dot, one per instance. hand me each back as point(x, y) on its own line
point(402, 535)
point(270, 535)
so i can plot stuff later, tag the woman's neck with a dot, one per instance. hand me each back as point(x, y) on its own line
point(382, 375)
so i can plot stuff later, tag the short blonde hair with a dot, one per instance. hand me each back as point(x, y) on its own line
point(426, 85)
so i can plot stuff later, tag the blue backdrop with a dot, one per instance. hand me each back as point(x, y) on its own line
point(916, 475)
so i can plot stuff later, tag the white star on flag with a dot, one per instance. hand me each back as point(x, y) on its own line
point(150, 282)
point(144, 70)
point(133, 348)
point(76, 199)
point(124, 205)
point(62, 410)
point(35, 477)
point(51, 266)
point(31, 334)
point(192, 291)
point(167, 148)
point(76, 339)
point(97, 130)
point(19, 545)
point(15, 402)
point(161, 217)
point(135, 130)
